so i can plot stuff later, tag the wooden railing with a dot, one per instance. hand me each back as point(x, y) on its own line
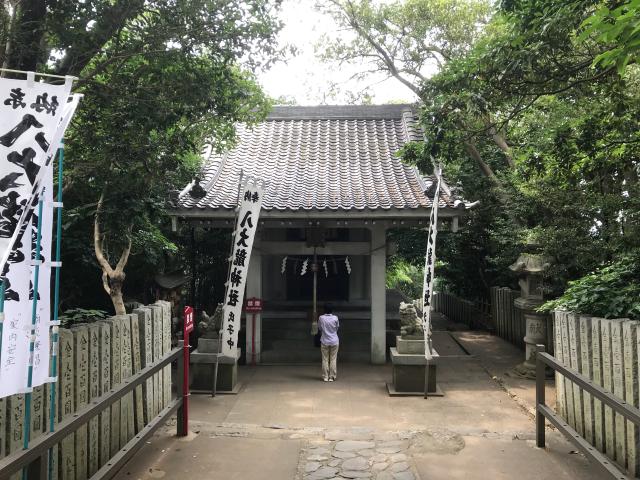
point(543, 411)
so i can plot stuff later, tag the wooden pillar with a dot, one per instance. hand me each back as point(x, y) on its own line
point(254, 289)
point(378, 259)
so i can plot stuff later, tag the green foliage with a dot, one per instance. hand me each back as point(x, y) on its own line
point(159, 79)
point(73, 316)
point(555, 139)
point(619, 29)
point(611, 292)
point(404, 39)
point(405, 277)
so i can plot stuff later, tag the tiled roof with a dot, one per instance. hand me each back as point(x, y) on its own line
point(337, 158)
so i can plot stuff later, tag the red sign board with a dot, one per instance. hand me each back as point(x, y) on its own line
point(188, 320)
point(253, 305)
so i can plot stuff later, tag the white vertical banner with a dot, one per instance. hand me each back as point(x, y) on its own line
point(244, 234)
point(42, 342)
point(429, 267)
point(41, 346)
point(18, 269)
point(30, 114)
point(16, 330)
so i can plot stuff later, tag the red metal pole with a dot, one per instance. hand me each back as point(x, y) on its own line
point(253, 339)
point(185, 384)
point(186, 331)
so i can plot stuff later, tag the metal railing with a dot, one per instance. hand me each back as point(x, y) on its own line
point(35, 458)
point(543, 411)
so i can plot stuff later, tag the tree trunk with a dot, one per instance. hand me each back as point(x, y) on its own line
point(112, 278)
point(27, 34)
point(115, 292)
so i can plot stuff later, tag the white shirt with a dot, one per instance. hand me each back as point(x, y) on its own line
point(329, 325)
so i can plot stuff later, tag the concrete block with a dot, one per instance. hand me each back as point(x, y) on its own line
point(412, 346)
point(607, 384)
point(202, 371)
point(81, 375)
point(3, 426)
point(15, 426)
point(157, 354)
point(38, 412)
point(617, 352)
point(561, 401)
point(66, 404)
point(127, 424)
point(136, 362)
point(94, 392)
point(598, 412)
point(116, 379)
point(408, 372)
point(48, 387)
point(568, 385)
point(166, 348)
point(586, 350)
point(104, 421)
point(630, 349)
point(574, 360)
point(145, 324)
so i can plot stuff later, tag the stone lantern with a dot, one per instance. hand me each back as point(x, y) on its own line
point(531, 267)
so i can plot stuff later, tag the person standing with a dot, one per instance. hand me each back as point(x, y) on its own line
point(328, 324)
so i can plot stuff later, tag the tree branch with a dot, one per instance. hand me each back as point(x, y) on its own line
point(105, 283)
point(97, 240)
point(124, 257)
point(384, 55)
point(484, 166)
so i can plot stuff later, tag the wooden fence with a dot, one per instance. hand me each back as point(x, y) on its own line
point(93, 359)
point(508, 321)
point(472, 314)
point(606, 352)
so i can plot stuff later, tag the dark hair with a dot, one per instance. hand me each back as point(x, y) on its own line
point(328, 308)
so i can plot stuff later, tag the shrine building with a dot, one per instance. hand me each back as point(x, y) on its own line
point(334, 187)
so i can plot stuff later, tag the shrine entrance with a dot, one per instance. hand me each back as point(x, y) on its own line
point(329, 170)
point(313, 271)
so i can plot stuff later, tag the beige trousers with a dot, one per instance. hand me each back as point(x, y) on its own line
point(329, 361)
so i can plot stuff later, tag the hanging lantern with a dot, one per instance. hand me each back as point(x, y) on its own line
point(284, 265)
point(348, 265)
point(304, 266)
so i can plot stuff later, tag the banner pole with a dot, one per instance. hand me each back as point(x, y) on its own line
point(429, 277)
point(214, 390)
point(56, 302)
point(34, 316)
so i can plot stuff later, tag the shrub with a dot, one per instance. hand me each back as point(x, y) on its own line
point(611, 292)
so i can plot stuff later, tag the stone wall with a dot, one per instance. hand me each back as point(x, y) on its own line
point(606, 351)
point(94, 358)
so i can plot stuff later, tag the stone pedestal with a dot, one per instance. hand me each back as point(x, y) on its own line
point(536, 334)
point(413, 345)
point(202, 371)
point(409, 371)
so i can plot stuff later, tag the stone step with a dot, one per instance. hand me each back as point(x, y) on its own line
point(310, 356)
point(345, 344)
point(345, 328)
point(295, 314)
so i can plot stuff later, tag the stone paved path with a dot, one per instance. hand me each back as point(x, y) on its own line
point(286, 424)
point(343, 455)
